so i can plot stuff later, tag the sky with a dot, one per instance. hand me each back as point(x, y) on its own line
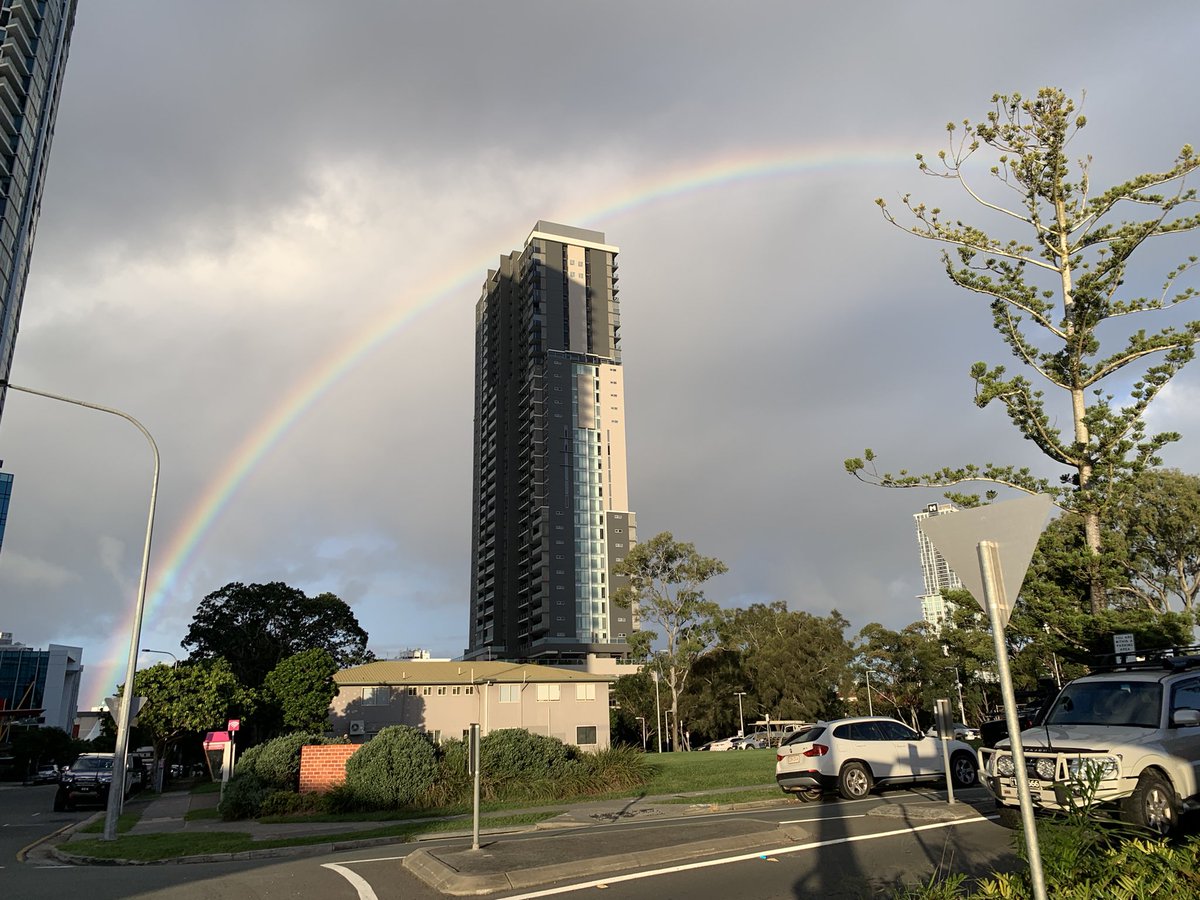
point(265, 227)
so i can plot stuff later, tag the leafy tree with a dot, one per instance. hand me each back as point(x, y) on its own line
point(709, 706)
point(300, 689)
point(906, 669)
point(36, 747)
point(1054, 288)
point(792, 662)
point(1157, 521)
point(1056, 615)
point(188, 698)
point(664, 590)
point(633, 697)
point(257, 626)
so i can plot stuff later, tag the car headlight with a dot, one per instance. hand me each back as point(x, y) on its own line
point(1101, 766)
point(1004, 764)
point(1045, 768)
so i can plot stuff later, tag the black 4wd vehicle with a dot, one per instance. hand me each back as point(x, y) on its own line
point(89, 780)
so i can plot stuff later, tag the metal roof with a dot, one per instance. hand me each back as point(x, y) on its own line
point(419, 671)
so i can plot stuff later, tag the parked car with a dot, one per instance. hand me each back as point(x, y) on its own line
point(44, 775)
point(752, 743)
point(853, 756)
point(89, 780)
point(1127, 739)
point(961, 732)
point(729, 743)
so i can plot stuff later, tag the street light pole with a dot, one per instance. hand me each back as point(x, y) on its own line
point(165, 653)
point(870, 705)
point(642, 719)
point(741, 718)
point(657, 712)
point(962, 713)
point(116, 792)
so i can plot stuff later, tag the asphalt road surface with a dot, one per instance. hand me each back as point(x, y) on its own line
point(845, 853)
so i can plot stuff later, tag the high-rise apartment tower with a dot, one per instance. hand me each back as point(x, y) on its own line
point(935, 571)
point(550, 513)
point(34, 38)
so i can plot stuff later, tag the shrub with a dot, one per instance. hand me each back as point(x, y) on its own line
point(289, 803)
point(617, 768)
point(521, 754)
point(452, 785)
point(243, 797)
point(395, 769)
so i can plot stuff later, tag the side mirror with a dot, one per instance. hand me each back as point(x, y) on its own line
point(1185, 717)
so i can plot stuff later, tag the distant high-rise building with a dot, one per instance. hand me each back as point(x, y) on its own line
point(38, 686)
point(935, 571)
point(34, 38)
point(6, 480)
point(550, 515)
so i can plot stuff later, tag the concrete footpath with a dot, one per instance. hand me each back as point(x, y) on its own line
point(579, 842)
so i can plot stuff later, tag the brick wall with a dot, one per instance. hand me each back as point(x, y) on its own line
point(323, 765)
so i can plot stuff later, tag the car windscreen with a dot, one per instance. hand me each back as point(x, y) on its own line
point(1137, 703)
point(93, 764)
point(805, 736)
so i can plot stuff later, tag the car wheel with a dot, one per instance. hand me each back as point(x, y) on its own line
point(60, 801)
point(808, 795)
point(1008, 816)
point(1152, 804)
point(854, 781)
point(962, 770)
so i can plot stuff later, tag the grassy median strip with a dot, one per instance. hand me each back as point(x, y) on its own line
point(153, 847)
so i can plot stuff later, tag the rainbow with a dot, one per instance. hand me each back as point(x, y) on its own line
point(224, 485)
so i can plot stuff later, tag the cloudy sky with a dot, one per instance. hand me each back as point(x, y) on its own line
point(266, 225)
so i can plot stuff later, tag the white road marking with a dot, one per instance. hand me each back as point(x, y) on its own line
point(795, 848)
point(822, 819)
point(359, 883)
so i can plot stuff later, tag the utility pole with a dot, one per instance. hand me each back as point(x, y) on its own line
point(741, 718)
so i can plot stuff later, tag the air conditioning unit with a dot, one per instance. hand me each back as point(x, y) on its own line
point(358, 726)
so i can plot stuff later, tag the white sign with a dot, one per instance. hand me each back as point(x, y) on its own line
point(114, 708)
point(1123, 644)
point(1015, 525)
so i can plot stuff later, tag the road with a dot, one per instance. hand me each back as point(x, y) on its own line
point(844, 853)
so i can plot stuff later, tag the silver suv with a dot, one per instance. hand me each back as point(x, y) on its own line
point(1127, 739)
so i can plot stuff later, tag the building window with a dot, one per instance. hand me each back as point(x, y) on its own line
point(376, 696)
point(442, 691)
point(546, 692)
point(456, 691)
point(585, 735)
point(585, 692)
point(510, 693)
point(425, 691)
point(412, 692)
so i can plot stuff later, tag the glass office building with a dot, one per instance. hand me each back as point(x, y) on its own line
point(550, 508)
point(34, 38)
point(6, 480)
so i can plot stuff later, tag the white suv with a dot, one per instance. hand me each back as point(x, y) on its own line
point(1127, 738)
point(854, 755)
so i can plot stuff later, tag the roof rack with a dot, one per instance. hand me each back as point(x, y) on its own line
point(1175, 659)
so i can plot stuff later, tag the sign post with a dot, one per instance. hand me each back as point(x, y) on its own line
point(945, 728)
point(970, 541)
point(473, 769)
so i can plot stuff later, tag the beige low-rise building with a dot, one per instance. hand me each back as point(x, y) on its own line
point(445, 698)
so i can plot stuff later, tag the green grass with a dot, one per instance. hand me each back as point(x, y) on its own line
point(125, 821)
point(153, 847)
point(678, 773)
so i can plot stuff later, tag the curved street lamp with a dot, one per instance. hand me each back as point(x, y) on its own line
point(116, 794)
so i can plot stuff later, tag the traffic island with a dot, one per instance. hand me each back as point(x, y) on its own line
point(521, 864)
